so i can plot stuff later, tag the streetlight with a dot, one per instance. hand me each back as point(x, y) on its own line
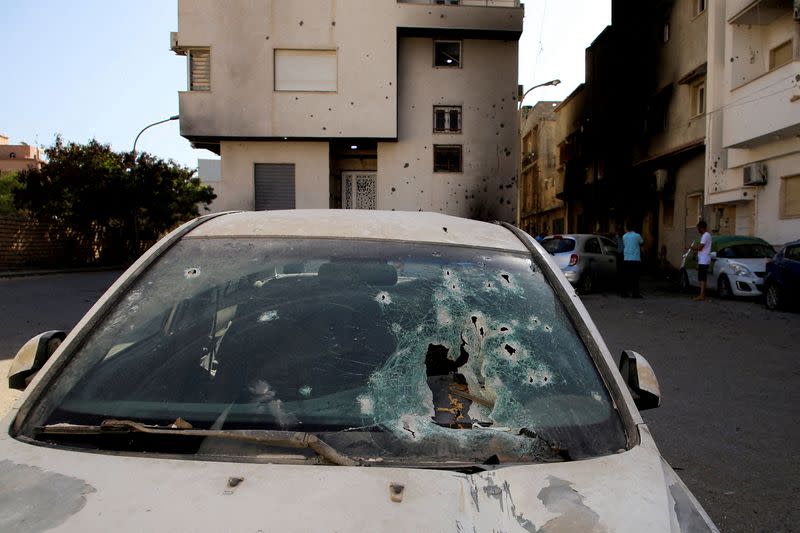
point(173, 117)
point(545, 84)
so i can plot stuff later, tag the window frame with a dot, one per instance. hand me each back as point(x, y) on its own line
point(447, 110)
point(692, 197)
point(783, 211)
point(698, 99)
point(700, 7)
point(772, 65)
point(448, 170)
point(190, 78)
point(460, 61)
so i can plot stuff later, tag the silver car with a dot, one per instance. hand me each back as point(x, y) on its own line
point(337, 371)
point(587, 260)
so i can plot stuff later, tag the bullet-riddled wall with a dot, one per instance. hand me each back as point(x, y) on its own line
point(485, 89)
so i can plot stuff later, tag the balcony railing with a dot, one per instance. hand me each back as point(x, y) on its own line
point(480, 3)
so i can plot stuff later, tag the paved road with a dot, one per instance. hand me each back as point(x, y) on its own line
point(728, 371)
point(730, 387)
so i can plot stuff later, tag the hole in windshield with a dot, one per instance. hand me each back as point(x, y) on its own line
point(387, 351)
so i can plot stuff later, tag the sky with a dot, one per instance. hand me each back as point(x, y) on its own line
point(103, 69)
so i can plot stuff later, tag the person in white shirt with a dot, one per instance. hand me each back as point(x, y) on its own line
point(703, 257)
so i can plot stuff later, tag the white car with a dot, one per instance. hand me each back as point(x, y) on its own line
point(337, 371)
point(738, 266)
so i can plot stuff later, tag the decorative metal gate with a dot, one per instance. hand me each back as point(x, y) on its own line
point(359, 190)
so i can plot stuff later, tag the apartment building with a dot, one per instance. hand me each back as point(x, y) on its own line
point(16, 157)
point(752, 168)
point(670, 154)
point(363, 104)
point(540, 210)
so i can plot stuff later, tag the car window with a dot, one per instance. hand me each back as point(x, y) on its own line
point(390, 351)
point(746, 251)
point(609, 246)
point(558, 245)
point(592, 246)
point(792, 253)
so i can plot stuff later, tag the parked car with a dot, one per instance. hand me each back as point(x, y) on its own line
point(738, 266)
point(337, 371)
point(587, 260)
point(782, 282)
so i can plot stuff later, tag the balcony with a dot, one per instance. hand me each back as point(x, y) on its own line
point(492, 19)
point(765, 109)
point(480, 3)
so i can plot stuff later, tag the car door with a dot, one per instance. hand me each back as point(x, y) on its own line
point(594, 256)
point(609, 260)
point(789, 270)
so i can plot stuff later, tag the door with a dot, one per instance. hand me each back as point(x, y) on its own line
point(274, 186)
point(359, 190)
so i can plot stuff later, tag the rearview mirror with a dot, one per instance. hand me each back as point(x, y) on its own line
point(641, 380)
point(31, 357)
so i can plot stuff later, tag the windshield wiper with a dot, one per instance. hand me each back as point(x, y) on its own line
point(288, 439)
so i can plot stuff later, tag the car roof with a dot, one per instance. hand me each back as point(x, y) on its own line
point(720, 241)
point(576, 236)
point(404, 226)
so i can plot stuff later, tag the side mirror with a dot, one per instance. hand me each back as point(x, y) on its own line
point(31, 357)
point(641, 380)
point(713, 255)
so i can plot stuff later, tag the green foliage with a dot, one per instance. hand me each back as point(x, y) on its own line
point(117, 202)
point(8, 183)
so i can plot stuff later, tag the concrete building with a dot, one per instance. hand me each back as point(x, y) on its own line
point(371, 104)
point(752, 168)
point(540, 180)
point(16, 157)
point(671, 152)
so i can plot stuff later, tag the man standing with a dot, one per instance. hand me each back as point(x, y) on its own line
point(632, 256)
point(703, 257)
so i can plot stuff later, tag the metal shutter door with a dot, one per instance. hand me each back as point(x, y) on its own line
point(274, 186)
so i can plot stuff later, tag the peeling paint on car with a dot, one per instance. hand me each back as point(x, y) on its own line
point(33, 500)
point(562, 498)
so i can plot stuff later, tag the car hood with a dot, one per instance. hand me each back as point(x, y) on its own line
point(755, 265)
point(43, 488)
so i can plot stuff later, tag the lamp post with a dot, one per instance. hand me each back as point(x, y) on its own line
point(545, 84)
point(173, 117)
point(520, 184)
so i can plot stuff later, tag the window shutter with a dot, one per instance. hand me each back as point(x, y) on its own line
point(200, 70)
point(274, 186)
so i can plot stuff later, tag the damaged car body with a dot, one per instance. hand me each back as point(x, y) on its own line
point(328, 370)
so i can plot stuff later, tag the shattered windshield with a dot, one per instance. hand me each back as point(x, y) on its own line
point(387, 351)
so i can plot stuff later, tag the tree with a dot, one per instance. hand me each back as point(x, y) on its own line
point(8, 183)
point(117, 202)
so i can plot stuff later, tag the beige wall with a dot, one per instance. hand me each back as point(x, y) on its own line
point(685, 50)
point(487, 186)
point(243, 35)
point(757, 120)
point(236, 188)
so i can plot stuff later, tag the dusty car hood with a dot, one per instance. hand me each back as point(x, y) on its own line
point(755, 265)
point(43, 488)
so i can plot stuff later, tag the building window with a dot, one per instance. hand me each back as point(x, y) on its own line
point(306, 70)
point(665, 35)
point(446, 119)
point(780, 55)
point(699, 98)
point(199, 69)
point(447, 157)
point(447, 54)
point(790, 197)
point(699, 6)
point(12, 155)
point(448, 2)
point(694, 209)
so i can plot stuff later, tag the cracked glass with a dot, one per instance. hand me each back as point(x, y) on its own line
point(388, 351)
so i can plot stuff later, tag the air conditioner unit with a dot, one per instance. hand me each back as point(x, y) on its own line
point(755, 174)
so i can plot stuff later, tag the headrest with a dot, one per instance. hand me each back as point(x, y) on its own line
point(379, 274)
